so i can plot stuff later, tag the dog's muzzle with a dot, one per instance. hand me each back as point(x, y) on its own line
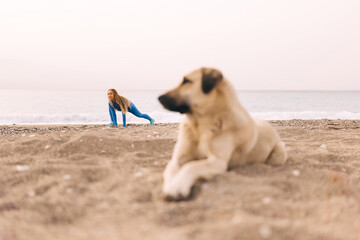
point(171, 104)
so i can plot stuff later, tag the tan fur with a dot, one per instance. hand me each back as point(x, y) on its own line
point(218, 133)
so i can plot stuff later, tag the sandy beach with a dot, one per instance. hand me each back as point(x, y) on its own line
point(88, 182)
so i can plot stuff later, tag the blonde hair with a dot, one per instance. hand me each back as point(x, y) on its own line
point(122, 101)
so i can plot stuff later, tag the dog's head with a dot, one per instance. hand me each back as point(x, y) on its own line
point(195, 92)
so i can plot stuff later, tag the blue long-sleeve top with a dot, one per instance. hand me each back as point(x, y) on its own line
point(113, 113)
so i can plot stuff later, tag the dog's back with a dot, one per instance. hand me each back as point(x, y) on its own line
point(268, 148)
point(257, 141)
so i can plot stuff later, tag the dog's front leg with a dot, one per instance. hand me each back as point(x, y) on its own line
point(183, 152)
point(173, 165)
point(220, 150)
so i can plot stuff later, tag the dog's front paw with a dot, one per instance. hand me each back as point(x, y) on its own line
point(176, 190)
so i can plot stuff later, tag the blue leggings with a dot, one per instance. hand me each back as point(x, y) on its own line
point(132, 109)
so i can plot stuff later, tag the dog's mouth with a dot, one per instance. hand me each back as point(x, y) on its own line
point(171, 104)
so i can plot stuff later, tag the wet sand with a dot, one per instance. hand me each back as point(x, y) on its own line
point(94, 182)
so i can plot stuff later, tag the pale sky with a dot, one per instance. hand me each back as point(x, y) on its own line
point(142, 44)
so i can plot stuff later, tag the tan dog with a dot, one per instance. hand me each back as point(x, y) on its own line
point(216, 134)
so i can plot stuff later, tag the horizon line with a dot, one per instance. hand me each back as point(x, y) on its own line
point(136, 89)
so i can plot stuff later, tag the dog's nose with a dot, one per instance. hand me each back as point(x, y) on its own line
point(167, 101)
point(163, 99)
point(171, 103)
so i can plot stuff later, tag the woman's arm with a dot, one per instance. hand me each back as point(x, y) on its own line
point(124, 120)
point(112, 114)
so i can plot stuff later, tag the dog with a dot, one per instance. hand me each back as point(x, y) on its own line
point(216, 134)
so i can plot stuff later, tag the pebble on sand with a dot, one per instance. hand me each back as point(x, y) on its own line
point(138, 174)
point(67, 177)
point(105, 205)
point(296, 173)
point(31, 193)
point(265, 231)
point(237, 219)
point(266, 200)
point(69, 190)
point(22, 168)
point(47, 146)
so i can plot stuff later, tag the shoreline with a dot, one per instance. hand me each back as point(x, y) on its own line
point(311, 123)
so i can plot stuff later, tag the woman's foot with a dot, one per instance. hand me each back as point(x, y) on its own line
point(152, 121)
point(112, 124)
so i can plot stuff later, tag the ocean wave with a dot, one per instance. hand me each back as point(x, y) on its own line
point(162, 117)
point(306, 115)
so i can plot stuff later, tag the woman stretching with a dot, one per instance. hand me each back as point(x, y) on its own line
point(120, 103)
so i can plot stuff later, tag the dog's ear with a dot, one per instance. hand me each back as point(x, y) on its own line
point(210, 77)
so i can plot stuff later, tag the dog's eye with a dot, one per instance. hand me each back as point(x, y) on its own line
point(185, 81)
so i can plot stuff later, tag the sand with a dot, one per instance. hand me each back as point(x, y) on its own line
point(94, 182)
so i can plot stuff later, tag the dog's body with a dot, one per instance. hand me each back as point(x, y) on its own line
point(216, 134)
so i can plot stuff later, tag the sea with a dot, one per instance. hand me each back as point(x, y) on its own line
point(91, 107)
